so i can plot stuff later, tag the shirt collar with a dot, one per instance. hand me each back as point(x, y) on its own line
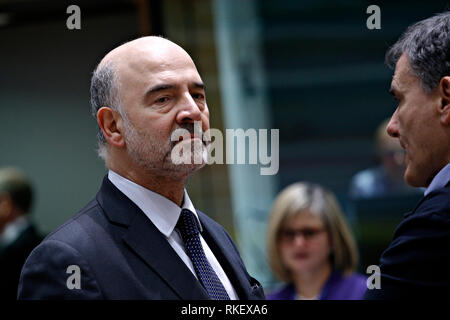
point(162, 212)
point(440, 180)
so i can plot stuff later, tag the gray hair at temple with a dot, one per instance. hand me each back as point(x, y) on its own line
point(104, 93)
point(427, 44)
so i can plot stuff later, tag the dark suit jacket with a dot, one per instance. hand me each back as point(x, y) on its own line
point(12, 258)
point(122, 255)
point(417, 263)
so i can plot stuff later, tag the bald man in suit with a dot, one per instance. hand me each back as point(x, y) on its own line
point(141, 236)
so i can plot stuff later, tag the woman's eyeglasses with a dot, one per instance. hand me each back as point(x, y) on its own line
point(289, 235)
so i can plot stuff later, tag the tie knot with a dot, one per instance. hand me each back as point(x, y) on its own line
point(187, 224)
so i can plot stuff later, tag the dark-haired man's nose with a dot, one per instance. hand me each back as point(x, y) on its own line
point(392, 127)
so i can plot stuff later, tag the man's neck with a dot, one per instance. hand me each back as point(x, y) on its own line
point(172, 189)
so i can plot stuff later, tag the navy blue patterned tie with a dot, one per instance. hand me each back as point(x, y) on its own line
point(187, 225)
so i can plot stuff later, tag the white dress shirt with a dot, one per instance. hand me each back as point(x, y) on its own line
point(164, 214)
point(13, 230)
point(440, 180)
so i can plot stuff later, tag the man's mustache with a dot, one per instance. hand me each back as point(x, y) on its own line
point(191, 129)
point(188, 126)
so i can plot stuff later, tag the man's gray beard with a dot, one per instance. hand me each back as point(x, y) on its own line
point(154, 156)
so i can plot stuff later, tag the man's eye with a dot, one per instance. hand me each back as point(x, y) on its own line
point(199, 96)
point(162, 100)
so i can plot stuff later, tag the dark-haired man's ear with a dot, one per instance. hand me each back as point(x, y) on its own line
point(111, 123)
point(444, 90)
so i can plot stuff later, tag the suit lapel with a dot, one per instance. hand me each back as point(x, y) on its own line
point(423, 199)
point(149, 243)
point(146, 241)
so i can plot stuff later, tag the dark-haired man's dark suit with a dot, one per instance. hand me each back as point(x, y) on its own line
point(122, 255)
point(417, 263)
point(12, 258)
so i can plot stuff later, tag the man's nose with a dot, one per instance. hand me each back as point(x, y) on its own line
point(190, 111)
point(392, 127)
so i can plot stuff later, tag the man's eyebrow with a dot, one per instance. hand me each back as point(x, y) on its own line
point(159, 87)
point(162, 87)
point(199, 85)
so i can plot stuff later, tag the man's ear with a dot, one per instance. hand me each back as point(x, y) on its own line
point(111, 124)
point(444, 90)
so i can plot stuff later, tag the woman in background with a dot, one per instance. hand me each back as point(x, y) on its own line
point(311, 247)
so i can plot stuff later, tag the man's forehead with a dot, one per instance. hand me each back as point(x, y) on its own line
point(151, 61)
point(403, 75)
point(147, 52)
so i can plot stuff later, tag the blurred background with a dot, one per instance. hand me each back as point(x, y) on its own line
point(311, 69)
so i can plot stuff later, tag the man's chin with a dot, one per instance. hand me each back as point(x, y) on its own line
point(191, 165)
point(184, 154)
point(413, 179)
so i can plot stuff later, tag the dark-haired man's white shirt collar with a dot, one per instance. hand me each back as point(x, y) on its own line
point(440, 180)
point(164, 214)
point(13, 230)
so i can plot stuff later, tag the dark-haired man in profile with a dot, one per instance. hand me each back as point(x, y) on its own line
point(141, 237)
point(417, 262)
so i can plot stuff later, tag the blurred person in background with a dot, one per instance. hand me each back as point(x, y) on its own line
point(311, 248)
point(387, 178)
point(18, 236)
